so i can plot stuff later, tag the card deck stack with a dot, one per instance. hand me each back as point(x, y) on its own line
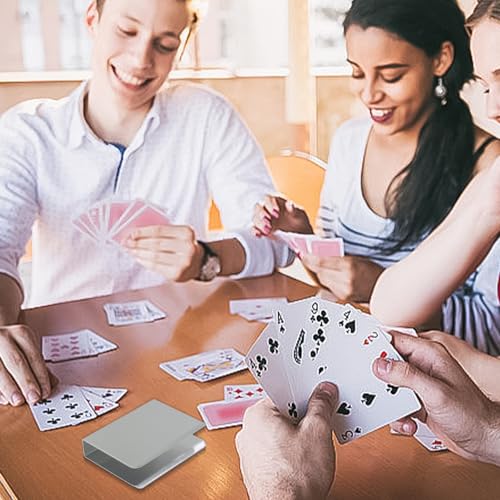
point(129, 313)
point(230, 412)
point(111, 221)
point(310, 243)
point(206, 366)
point(74, 345)
point(313, 340)
point(256, 309)
point(73, 405)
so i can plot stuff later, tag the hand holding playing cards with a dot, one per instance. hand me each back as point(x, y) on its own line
point(281, 460)
point(23, 373)
point(169, 250)
point(276, 213)
point(454, 407)
point(348, 278)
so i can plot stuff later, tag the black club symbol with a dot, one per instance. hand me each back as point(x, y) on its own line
point(273, 346)
point(319, 336)
point(43, 402)
point(292, 410)
point(71, 406)
point(261, 362)
point(322, 318)
point(66, 396)
point(49, 411)
point(77, 415)
point(54, 421)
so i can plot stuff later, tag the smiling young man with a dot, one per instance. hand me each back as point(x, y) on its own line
point(118, 135)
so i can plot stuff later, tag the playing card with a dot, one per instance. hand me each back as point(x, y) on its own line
point(146, 216)
point(99, 404)
point(314, 340)
point(206, 366)
point(108, 393)
point(307, 323)
point(365, 402)
point(265, 361)
point(256, 309)
point(99, 344)
point(128, 313)
point(246, 391)
point(67, 346)
point(324, 247)
point(222, 414)
point(67, 406)
point(427, 438)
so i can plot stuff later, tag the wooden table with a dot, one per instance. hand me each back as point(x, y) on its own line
point(50, 465)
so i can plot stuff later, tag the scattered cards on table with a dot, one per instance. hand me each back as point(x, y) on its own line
point(230, 412)
point(256, 309)
point(74, 345)
point(111, 221)
point(310, 243)
point(314, 340)
point(206, 366)
point(73, 405)
point(129, 313)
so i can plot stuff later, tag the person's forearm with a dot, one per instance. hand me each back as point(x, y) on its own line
point(485, 371)
point(411, 291)
point(11, 299)
point(232, 255)
point(492, 445)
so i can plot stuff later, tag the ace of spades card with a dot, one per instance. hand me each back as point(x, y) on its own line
point(265, 361)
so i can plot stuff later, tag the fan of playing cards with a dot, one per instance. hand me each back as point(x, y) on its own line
point(314, 340)
point(112, 221)
point(73, 405)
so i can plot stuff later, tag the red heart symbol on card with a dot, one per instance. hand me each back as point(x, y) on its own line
point(383, 354)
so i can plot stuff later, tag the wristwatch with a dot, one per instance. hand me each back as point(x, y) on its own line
point(210, 264)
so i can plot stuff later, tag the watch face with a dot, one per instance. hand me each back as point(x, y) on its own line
point(210, 269)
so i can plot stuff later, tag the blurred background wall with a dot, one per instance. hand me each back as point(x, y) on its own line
point(244, 49)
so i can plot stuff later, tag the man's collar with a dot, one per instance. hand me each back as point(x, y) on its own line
point(79, 128)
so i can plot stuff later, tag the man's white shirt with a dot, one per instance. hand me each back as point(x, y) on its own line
point(191, 147)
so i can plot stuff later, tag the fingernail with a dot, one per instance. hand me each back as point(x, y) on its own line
point(16, 398)
point(276, 213)
point(406, 428)
point(33, 396)
point(3, 401)
point(384, 365)
point(329, 388)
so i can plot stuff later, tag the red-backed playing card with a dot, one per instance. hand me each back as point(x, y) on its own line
point(221, 414)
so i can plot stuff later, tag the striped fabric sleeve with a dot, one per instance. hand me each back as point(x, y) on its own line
point(475, 319)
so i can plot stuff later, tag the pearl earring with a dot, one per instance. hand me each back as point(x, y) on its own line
point(441, 91)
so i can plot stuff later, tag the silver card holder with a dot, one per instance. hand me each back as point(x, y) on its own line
point(144, 444)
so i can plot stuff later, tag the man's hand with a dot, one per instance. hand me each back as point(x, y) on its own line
point(275, 213)
point(23, 373)
point(280, 460)
point(169, 250)
point(348, 278)
point(454, 407)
